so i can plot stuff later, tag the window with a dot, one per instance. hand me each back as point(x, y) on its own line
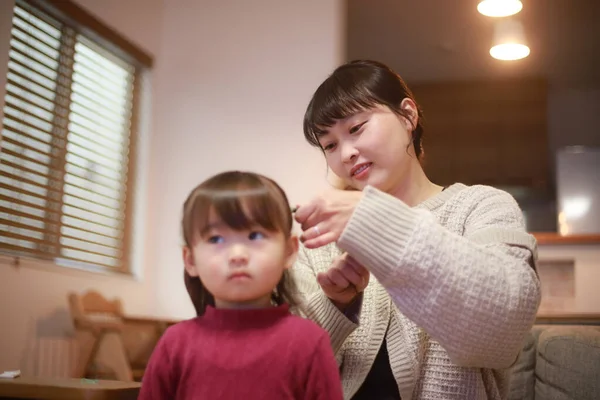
point(68, 138)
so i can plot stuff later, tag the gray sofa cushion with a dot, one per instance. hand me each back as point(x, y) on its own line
point(522, 385)
point(568, 364)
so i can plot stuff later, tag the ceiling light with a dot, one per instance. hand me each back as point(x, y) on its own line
point(499, 8)
point(509, 51)
point(509, 41)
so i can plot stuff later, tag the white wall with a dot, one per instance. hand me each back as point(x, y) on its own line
point(231, 81)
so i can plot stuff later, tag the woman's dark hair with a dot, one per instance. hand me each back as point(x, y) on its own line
point(352, 88)
point(240, 200)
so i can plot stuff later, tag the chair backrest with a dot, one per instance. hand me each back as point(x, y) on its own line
point(92, 305)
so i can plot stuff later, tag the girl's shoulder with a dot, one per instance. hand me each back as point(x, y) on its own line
point(304, 330)
point(181, 330)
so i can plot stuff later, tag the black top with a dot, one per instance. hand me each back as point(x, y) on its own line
point(380, 383)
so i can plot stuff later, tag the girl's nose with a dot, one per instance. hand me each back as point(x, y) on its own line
point(238, 256)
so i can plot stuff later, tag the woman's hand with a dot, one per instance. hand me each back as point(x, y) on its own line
point(324, 218)
point(343, 281)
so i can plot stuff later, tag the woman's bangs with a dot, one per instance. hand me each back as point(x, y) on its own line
point(332, 102)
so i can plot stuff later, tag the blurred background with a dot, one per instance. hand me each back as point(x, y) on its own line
point(509, 124)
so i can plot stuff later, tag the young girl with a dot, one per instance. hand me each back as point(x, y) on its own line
point(245, 343)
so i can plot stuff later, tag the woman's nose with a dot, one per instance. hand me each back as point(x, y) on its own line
point(349, 152)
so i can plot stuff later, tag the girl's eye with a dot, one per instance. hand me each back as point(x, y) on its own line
point(216, 239)
point(255, 236)
point(356, 128)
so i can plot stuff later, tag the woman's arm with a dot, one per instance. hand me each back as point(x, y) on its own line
point(316, 306)
point(476, 294)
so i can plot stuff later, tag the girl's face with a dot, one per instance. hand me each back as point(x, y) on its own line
point(239, 268)
point(370, 148)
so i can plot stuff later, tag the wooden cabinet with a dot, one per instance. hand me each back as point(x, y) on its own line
point(489, 132)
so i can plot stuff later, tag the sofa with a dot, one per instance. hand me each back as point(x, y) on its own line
point(558, 362)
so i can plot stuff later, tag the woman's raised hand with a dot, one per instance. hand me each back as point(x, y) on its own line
point(324, 218)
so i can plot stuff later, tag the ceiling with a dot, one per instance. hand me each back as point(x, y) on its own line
point(441, 40)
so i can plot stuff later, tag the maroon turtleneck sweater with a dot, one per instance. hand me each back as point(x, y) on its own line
point(243, 354)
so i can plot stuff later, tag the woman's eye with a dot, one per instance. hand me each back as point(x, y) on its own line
point(216, 239)
point(255, 236)
point(356, 128)
point(329, 147)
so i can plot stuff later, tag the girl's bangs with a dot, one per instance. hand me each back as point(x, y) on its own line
point(243, 209)
point(241, 206)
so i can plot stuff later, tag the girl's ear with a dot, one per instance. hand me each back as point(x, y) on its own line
point(291, 251)
point(188, 261)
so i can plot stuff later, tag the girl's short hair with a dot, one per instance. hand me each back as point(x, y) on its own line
point(240, 200)
point(352, 88)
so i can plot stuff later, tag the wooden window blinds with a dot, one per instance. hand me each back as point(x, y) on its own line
point(67, 141)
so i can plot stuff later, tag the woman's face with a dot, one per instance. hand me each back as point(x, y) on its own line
point(370, 148)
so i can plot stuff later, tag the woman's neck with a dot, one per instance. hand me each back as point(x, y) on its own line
point(415, 187)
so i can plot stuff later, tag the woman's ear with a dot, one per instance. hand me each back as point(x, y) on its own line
point(291, 251)
point(410, 108)
point(188, 261)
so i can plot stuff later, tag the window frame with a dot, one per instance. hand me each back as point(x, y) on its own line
point(92, 29)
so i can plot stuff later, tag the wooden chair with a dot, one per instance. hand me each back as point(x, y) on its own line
point(111, 345)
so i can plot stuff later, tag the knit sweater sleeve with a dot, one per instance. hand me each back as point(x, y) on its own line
point(476, 293)
point(316, 306)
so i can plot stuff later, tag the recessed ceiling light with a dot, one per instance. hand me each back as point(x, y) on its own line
point(499, 8)
point(509, 51)
point(509, 41)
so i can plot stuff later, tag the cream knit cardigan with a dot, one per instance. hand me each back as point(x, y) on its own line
point(453, 284)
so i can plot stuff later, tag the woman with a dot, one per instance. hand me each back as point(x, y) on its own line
point(455, 288)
